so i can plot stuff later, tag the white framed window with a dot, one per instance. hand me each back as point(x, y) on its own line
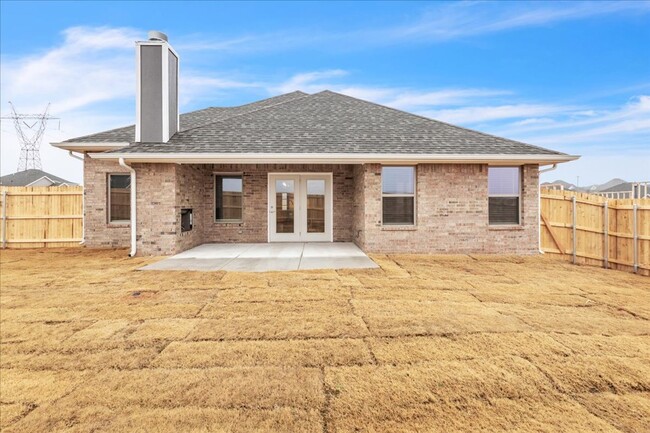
point(119, 198)
point(228, 197)
point(398, 195)
point(504, 195)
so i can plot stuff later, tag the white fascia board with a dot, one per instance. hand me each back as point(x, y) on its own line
point(333, 158)
point(82, 146)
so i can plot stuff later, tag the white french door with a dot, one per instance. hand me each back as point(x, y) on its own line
point(300, 207)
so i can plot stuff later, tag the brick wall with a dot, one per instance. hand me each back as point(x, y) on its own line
point(451, 213)
point(98, 233)
point(451, 206)
point(359, 211)
point(192, 184)
point(157, 216)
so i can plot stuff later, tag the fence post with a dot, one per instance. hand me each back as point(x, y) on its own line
point(575, 242)
point(635, 238)
point(606, 221)
point(4, 219)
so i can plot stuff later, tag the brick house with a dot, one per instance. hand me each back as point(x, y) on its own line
point(304, 168)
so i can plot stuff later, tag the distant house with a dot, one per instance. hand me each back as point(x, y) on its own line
point(33, 177)
point(323, 167)
point(629, 190)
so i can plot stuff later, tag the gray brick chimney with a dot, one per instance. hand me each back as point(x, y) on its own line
point(156, 90)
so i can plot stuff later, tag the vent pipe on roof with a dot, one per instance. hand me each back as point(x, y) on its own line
point(157, 117)
point(157, 36)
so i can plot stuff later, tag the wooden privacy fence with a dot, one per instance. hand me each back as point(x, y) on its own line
point(34, 217)
point(594, 230)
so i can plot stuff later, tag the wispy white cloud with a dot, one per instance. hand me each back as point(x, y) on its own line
point(454, 96)
point(456, 20)
point(481, 114)
point(90, 65)
point(396, 97)
point(439, 23)
point(625, 127)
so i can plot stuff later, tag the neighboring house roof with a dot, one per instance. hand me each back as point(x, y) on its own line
point(33, 177)
point(326, 124)
point(621, 187)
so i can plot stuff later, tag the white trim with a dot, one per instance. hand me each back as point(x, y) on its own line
point(519, 197)
point(108, 199)
point(335, 158)
point(134, 228)
point(138, 92)
point(165, 93)
point(178, 80)
point(300, 178)
point(214, 207)
point(414, 195)
point(80, 146)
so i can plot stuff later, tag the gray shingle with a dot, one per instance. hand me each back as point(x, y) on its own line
point(327, 122)
point(189, 120)
point(24, 178)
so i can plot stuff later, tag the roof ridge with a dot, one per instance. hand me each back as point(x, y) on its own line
point(438, 121)
point(305, 95)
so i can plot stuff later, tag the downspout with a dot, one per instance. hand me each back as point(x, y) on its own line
point(83, 203)
point(539, 207)
point(133, 203)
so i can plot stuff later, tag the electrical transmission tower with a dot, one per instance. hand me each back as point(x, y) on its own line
point(30, 129)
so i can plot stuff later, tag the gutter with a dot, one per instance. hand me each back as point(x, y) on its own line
point(81, 146)
point(539, 207)
point(83, 204)
point(134, 246)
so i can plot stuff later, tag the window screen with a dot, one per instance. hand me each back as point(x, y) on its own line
point(504, 186)
point(228, 197)
point(398, 195)
point(119, 198)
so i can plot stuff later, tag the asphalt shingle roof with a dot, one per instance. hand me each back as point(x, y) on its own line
point(189, 120)
point(325, 122)
point(24, 178)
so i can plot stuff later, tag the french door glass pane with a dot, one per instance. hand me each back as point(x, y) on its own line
point(316, 206)
point(284, 205)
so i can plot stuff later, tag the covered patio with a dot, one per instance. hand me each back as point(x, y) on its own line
point(263, 257)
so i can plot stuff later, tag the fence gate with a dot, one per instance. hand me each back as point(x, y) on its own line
point(595, 230)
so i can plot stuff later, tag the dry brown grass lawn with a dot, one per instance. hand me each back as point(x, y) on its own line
point(426, 343)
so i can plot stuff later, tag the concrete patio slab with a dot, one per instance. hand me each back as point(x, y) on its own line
point(265, 257)
point(187, 264)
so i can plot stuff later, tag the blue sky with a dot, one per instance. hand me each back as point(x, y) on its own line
point(572, 76)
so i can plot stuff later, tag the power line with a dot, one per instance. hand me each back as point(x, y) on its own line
point(30, 129)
